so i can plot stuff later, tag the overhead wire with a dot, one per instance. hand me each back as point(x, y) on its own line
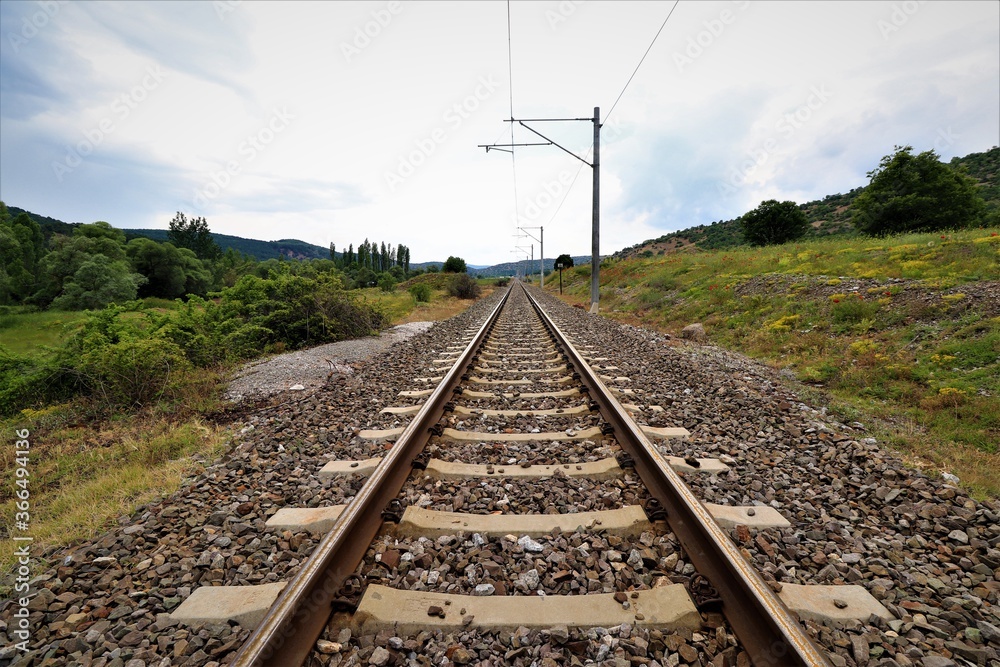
point(662, 25)
point(606, 117)
point(510, 78)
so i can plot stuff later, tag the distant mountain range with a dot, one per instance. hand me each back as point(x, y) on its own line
point(525, 266)
point(264, 250)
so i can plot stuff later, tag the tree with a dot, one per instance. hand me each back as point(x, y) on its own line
point(98, 282)
point(171, 272)
point(916, 193)
point(454, 265)
point(194, 235)
point(22, 247)
point(70, 254)
point(565, 261)
point(774, 222)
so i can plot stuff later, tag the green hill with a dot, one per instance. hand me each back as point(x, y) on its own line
point(829, 216)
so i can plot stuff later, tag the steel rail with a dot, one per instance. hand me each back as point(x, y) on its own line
point(768, 631)
point(295, 621)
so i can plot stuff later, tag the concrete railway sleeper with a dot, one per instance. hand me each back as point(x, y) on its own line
point(488, 511)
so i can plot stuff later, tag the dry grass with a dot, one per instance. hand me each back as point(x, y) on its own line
point(441, 308)
point(83, 478)
point(400, 307)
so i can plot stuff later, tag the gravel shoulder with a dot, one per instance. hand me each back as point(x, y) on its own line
point(308, 370)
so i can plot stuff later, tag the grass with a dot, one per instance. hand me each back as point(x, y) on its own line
point(401, 307)
point(83, 477)
point(24, 333)
point(882, 327)
point(87, 469)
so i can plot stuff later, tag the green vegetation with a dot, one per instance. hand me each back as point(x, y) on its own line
point(897, 330)
point(421, 292)
point(564, 261)
point(916, 193)
point(454, 265)
point(774, 222)
point(193, 235)
point(464, 286)
point(830, 216)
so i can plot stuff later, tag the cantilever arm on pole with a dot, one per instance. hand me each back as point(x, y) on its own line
point(502, 147)
point(521, 122)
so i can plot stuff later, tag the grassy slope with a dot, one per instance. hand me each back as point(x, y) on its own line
point(902, 334)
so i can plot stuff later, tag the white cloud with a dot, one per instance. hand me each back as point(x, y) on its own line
point(386, 103)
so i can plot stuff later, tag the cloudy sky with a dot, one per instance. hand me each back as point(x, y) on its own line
point(332, 122)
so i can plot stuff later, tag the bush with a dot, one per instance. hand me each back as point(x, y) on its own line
point(247, 342)
point(454, 265)
point(773, 223)
point(133, 373)
point(421, 292)
point(26, 382)
point(503, 281)
point(464, 287)
point(386, 282)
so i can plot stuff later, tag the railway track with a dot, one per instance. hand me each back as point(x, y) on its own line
point(512, 411)
point(256, 522)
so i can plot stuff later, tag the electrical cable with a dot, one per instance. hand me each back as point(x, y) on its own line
point(510, 77)
point(570, 188)
point(669, 14)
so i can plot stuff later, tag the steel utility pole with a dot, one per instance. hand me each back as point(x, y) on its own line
point(595, 250)
point(541, 250)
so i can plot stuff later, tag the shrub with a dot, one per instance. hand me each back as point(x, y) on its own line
point(774, 222)
point(26, 382)
point(464, 287)
point(420, 292)
point(502, 281)
point(133, 373)
point(386, 282)
point(454, 265)
point(247, 342)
